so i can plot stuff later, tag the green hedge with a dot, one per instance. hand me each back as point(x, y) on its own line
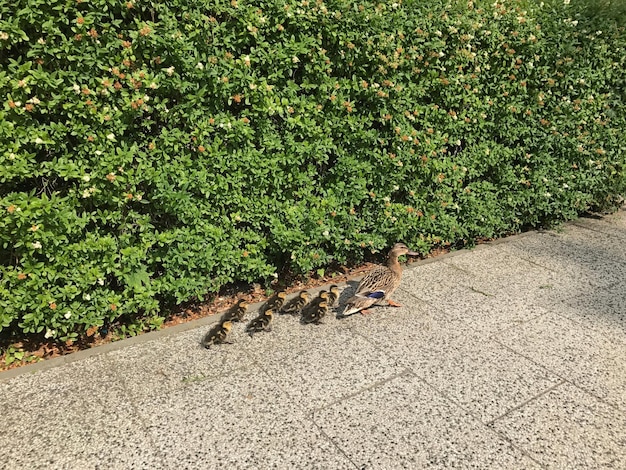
point(153, 152)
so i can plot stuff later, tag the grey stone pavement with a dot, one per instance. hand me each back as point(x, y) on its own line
point(511, 355)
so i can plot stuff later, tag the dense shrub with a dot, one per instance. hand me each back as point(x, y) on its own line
point(153, 152)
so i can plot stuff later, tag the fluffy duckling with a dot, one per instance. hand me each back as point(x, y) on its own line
point(380, 283)
point(217, 334)
point(295, 305)
point(260, 323)
point(276, 302)
point(316, 316)
point(333, 295)
point(237, 312)
point(311, 307)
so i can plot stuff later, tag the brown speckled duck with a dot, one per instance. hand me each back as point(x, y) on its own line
point(380, 283)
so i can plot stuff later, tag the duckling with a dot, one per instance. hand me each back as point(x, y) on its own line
point(294, 306)
point(217, 334)
point(260, 323)
point(380, 283)
point(276, 302)
point(237, 312)
point(311, 307)
point(316, 315)
point(333, 295)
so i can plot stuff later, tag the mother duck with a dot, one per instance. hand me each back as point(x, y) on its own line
point(380, 283)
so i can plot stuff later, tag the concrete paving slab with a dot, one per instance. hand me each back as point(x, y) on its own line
point(434, 280)
point(568, 428)
point(586, 358)
point(485, 305)
point(501, 271)
point(404, 423)
point(474, 308)
point(174, 362)
point(600, 310)
point(612, 226)
point(243, 421)
point(71, 417)
point(583, 255)
point(478, 374)
point(333, 366)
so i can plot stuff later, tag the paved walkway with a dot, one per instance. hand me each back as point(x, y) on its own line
point(512, 355)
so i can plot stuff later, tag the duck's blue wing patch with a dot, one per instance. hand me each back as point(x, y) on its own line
point(379, 294)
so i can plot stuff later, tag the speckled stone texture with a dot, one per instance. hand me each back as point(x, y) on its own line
point(404, 423)
point(508, 356)
point(567, 428)
point(72, 417)
point(242, 420)
point(594, 362)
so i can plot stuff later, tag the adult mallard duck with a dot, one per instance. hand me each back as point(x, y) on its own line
point(380, 283)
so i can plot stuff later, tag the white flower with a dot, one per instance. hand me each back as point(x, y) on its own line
point(111, 136)
point(12, 156)
point(170, 70)
point(87, 297)
point(101, 282)
point(246, 60)
point(34, 100)
point(4, 36)
point(41, 41)
point(86, 193)
point(86, 178)
point(67, 315)
point(295, 59)
point(76, 88)
point(566, 2)
point(37, 245)
point(98, 152)
point(326, 233)
point(38, 141)
point(49, 333)
point(200, 66)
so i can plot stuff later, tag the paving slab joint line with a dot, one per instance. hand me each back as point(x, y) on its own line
point(584, 226)
point(617, 408)
point(494, 335)
point(557, 373)
point(525, 402)
point(121, 379)
point(487, 426)
point(333, 443)
point(402, 373)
